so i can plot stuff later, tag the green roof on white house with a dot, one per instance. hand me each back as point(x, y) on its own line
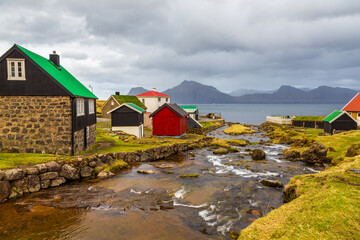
point(332, 116)
point(189, 108)
point(60, 74)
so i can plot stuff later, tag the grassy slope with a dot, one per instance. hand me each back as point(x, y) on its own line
point(328, 203)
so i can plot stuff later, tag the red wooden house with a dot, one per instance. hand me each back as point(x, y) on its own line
point(169, 120)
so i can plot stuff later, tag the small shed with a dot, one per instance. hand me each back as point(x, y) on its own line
point(339, 121)
point(169, 120)
point(128, 118)
point(192, 123)
point(192, 110)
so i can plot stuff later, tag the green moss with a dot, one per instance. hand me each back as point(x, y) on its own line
point(238, 129)
point(116, 166)
point(309, 118)
point(221, 151)
point(233, 150)
point(237, 142)
point(194, 175)
point(170, 172)
point(211, 123)
point(11, 160)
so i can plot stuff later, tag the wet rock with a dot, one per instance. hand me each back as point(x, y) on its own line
point(105, 174)
point(164, 165)
point(31, 171)
point(69, 172)
point(5, 189)
point(57, 181)
point(191, 154)
point(2, 174)
point(353, 150)
point(14, 174)
point(145, 171)
point(34, 183)
point(272, 183)
point(48, 175)
point(289, 193)
point(221, 151)
point(254, 212)
point(53, 166)
point(233, 235)
point(258, 154)
point(194, 175)
point(291, 154)
point(86, 171)
point(45, 183)
point(42, 167)
point(315, 154)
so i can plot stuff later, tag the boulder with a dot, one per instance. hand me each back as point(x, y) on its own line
point(221, 151)
point(144, 157)
point(145, 171)
point(105, 174)
point(48, 175)
point(5, 189)
point(34, 183)
point(31, 171)
point(19, 187)
point(45, 183)
point(272, 183)
point(57, 181)
point(254, 212)
point(42, 167)
point(289, 193)
point(86, 171)
point(258, 154)
point(14, 174)
point(2, 174)
point(69, 172)
point(353, 150)
point(291, 154)
point(316, 153)
point(53, 166)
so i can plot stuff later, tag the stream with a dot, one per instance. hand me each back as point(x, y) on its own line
point(227, 196)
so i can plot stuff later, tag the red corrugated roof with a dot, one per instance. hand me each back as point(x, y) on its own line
point(353, 105)
point(152, 94)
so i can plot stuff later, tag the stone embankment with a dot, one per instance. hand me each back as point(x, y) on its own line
point(19, 181)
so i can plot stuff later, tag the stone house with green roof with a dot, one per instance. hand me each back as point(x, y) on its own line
point(116, 100)
point(43, 108)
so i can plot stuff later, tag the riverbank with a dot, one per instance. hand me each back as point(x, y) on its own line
point(321, 206)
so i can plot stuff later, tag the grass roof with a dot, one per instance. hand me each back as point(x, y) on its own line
point(129, 99)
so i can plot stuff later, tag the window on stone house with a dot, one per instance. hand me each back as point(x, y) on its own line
point(91, 106)
point(16, 69)
point(80, 107)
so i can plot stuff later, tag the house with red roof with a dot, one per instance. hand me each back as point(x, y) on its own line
point(353, 108)
point(153, 99)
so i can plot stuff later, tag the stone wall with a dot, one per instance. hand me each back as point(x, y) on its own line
point(17, 182)
point(108, 107)
point(35, 124)
point(79, 139)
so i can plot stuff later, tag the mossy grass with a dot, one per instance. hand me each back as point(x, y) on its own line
point(99, 104)
point(327, 207)
point(194, 175)
point(211, 123)
point(309, 118)
point(116, 166)
point(237, 142)
point(218, 142)
point(11, 160)
point(238, 129)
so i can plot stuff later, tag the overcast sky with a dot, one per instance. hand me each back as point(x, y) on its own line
point(229, 44)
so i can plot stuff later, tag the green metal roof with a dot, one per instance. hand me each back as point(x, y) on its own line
point(189, 108)
point(332, 116)
point(136, 107)
point(129, 99)
point(60, 74)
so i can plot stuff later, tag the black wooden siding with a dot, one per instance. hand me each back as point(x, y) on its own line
point(80, 122)
point(125, 116)
point(343, 123)
point(37, 82)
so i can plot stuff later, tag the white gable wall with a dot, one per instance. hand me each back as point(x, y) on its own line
point(153, 103)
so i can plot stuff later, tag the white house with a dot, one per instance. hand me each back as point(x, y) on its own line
point(153, 99)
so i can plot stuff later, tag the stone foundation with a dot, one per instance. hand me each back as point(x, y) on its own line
point(19, 181)
point(79, 139)
point(35, 124)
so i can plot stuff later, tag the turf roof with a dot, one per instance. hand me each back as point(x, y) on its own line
point(60, 74)
point(129, 99)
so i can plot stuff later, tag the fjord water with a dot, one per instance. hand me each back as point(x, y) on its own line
point(226, 196)
point(256, 113)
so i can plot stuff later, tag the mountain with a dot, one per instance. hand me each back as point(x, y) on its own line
point(136, 91)
point(191, 92)
point(288, 94)
point(244, 91)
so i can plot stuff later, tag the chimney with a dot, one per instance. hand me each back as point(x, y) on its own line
point(154, 89)
point(55, 58)
point(117, 93)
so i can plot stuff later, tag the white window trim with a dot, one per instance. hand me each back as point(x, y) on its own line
point(16, 60)
point(80, 107)
point(91, 106)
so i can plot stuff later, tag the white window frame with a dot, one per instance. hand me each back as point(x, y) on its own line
point(16, 61)
point(91, 106)
point(80, 107)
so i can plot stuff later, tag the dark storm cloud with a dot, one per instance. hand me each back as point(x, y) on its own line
point(114, 44)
